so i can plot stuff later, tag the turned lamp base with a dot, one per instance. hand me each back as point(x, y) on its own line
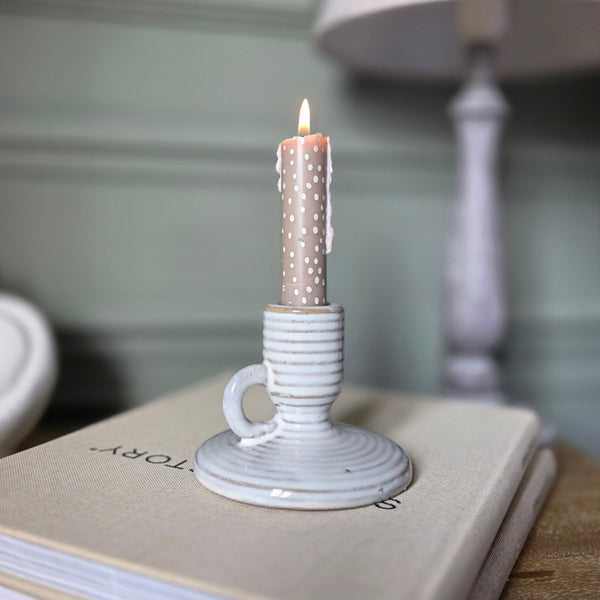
point(299, 459)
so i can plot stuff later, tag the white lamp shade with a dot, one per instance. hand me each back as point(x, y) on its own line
point(419, 39)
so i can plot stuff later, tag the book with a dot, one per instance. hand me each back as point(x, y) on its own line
point(490, 581)
point(515, 528)
point(114, 510)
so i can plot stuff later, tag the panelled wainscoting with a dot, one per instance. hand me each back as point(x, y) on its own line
point(139, 209)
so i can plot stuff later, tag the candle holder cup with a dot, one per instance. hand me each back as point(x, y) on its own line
point(299, 459)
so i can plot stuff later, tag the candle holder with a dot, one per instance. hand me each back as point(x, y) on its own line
point(299, 459)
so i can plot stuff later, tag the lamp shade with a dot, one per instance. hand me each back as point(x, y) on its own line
point(419, 38)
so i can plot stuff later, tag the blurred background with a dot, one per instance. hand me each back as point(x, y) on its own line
point(139, 208)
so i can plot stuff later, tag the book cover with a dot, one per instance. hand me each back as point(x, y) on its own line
point(121, 496)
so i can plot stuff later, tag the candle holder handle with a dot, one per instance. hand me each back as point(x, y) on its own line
point(232, 403)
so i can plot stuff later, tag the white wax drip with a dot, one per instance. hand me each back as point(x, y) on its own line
point(278, 167)
point(329, 233)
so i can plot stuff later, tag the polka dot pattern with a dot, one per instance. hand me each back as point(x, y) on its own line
point(304, 206)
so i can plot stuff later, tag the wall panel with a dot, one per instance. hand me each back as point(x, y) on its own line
point(138, 204)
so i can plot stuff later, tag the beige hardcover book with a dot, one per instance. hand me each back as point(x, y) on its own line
point(114, 511)
point(515, 527)
point(507, 545)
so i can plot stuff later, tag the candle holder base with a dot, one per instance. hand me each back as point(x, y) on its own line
point(347, 468)
point(299, 459)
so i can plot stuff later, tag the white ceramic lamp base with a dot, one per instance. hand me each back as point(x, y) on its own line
point(300, 459)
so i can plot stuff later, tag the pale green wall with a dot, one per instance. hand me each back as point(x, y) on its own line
point(138, 204)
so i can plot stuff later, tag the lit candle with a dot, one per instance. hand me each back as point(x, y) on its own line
point(304, 167)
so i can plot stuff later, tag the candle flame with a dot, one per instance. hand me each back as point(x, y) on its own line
point(304, 119)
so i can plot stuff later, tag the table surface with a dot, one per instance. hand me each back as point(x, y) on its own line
point(561, 558)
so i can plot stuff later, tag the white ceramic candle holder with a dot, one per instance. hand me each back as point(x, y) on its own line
point(299, 459)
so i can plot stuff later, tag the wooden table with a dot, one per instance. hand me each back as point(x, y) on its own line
point(561, 559)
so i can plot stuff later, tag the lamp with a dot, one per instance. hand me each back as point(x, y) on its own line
point(485, 39)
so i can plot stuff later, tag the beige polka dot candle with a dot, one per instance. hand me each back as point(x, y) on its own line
point(304, 167)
